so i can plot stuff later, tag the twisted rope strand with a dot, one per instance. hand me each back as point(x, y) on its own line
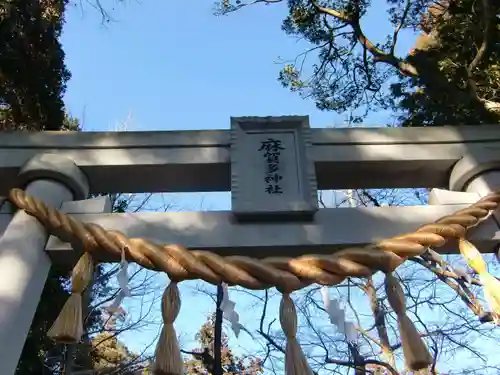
point(287, 274)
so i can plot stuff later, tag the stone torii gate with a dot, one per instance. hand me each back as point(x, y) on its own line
point(273, 167)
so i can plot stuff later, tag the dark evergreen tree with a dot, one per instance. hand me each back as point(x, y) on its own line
point(32, 71)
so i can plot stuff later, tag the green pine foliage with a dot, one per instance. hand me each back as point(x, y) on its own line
point(454, 79)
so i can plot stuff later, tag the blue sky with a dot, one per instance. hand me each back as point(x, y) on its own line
point(176, 66)
point(173, 65)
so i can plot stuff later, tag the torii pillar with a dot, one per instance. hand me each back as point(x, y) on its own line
point(24, 265)
point(477, 173)
point(472, 177)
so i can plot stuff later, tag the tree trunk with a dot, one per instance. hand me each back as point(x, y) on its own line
point(218, 334)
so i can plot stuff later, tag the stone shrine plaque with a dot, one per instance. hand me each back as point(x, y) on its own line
point(272, 172)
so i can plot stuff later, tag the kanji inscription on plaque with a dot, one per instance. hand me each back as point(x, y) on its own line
point(272, 173)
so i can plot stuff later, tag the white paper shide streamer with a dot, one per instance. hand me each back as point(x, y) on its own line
point(122, 278)
point(337, 316)
point(227, 307)
point(462, 274)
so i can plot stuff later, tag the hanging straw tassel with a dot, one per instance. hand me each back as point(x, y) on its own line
point(68, 327)
point(417, 357)
point(491, 284)
point(168, 354)
point(295, 361)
